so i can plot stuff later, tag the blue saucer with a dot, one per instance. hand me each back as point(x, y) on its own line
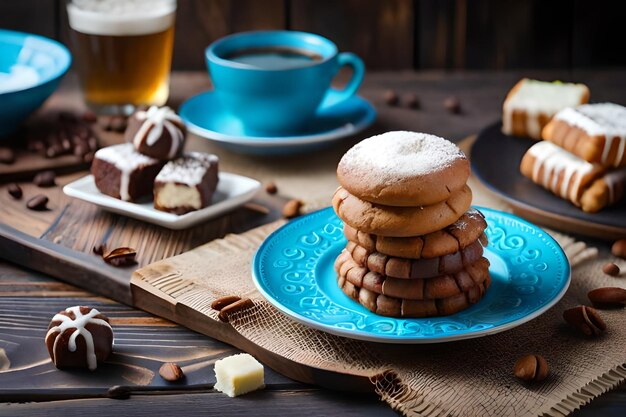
point(206, 118)
point(293, 269)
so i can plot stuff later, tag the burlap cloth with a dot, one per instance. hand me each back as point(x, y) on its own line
point(465, 378)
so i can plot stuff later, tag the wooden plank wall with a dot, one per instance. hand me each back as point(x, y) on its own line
point(393, 34)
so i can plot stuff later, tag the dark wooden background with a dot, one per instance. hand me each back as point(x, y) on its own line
point(393, 34)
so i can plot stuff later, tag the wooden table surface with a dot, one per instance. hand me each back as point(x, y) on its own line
point(28, 299)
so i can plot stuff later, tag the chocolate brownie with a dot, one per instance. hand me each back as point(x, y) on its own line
point(122, 172)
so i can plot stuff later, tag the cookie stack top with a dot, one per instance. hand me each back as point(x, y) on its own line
point(402, 184)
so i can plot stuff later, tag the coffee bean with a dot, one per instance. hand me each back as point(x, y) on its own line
point(89, 117)
point(88, 157)
point(222, 302)
point(391, 98)
point(15, 191)
point(123, 256)
point(531, 368)
point(271, 188)
point(619, 248)
point(412, 102)
point(611, 269)
point(291, 208)
point(118, 124)
point(7, 156)
point(38, 203)
point(81, 149)
point(453, 105)
point(608, 297)
point(586, 320)
point(54, 151)
point(45, 179)
point(171, 372)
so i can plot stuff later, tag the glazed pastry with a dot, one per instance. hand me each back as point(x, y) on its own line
point(586, 185)
point(79, 337)
point(463, 232)
point(121, 172)
point(400, 221)
point(593, 132)
point(405, 169)
point(531, 104)
point(157, 132)
point(187, 183)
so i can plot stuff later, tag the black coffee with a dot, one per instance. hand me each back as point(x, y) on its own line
point(275, 57)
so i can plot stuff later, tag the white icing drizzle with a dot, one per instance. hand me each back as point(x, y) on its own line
point(188, 169)
point(79, 323)
point(555, 161)
point(154, 120)
point(602, 119)
point(538, 97)
point(125, 158)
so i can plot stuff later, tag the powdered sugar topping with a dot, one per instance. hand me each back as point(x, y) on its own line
point(189, 169)
point(396, 155)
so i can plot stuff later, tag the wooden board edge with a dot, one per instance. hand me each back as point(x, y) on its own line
point(146, 298)
point(65, 264)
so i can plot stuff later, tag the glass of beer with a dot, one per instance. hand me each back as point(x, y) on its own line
point(123, 51)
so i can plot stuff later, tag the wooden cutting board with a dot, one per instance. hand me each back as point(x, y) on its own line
point(59, 243)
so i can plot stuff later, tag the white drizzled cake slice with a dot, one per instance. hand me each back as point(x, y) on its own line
point(121, 172)
point(531, 104)
point(594, 132)
point(187, 183)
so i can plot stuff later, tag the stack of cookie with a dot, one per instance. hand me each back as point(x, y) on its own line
point(415, 247)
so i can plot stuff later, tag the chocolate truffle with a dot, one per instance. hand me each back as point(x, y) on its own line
point(157, 132)
point(121, 172)
point(79, 337)
point(187, 183)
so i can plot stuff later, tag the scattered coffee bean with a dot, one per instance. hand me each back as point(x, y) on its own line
point(391, 98)
point(611, 269)
point(619, 248)
point(89, 117)
point(7, 156)
point(15, 191)
point(45, 179)
point(292, 208)
point(118, 124)
point(412, 102)
point(233, 308)
point(608, 297)
point(171, 372)
point(38, 203)
point(88, 157)
point(121, 257)
point(222, 302)
point(271, 188)
point(100, 249)
point(586, 320)
point(453, 105)
point(531, 368)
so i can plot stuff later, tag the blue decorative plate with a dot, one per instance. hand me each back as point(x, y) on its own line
point(293, 269)
point(205, 117)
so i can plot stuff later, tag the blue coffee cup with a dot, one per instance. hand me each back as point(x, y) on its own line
point(278, 101)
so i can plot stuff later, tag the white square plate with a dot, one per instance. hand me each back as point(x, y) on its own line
point(232, 191)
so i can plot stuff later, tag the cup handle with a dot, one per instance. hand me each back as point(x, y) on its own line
point(334, 96)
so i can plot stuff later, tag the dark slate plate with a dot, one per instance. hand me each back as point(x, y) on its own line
point(495, 161)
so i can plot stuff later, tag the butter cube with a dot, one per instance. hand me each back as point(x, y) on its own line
point(238, 374)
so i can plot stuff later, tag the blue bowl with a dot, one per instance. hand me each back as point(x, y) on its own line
point(31, 67)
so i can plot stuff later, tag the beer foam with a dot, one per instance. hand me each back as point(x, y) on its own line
point(121, 17)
